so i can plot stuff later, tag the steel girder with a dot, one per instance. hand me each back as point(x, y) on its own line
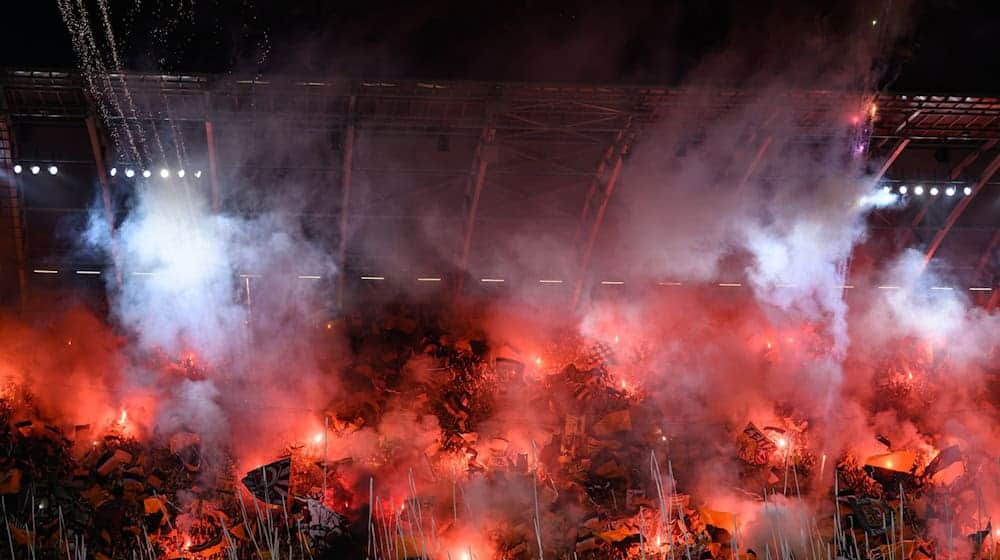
point(546, 132)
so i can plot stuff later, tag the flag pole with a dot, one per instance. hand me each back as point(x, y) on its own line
point(326, 431)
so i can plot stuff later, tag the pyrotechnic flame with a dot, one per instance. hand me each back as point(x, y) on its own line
point(781, 442)
point(123, 418)
point(318, 437)
point(538, 360)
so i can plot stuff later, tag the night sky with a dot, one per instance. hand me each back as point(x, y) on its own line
point(944, 45)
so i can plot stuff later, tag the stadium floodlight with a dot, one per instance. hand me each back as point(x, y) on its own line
point(129, 173)
point(18, 169)
point(147, 173)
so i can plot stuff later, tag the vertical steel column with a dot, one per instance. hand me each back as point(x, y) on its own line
point(345, 199)
point(474, 191)
point(212, 173)
point(102, 179)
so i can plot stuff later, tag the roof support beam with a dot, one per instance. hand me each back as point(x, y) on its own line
point(994, 299)
point(901, 126)
point(985, 259)
point(212, 165)
point(484, 155)
point(345, 200)
point(891, 159)
point(102, 179)
point(601, 189)
point(959, 208)
point(755, 162)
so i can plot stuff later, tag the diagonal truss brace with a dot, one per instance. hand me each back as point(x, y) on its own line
point(485, 154)
point(602, 186)
point(959, 209)
point(955, 174)
point(347, 164)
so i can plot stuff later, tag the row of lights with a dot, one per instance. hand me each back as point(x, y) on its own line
point(35, 169)
point(544, 281)
point(147, 173)
point(53, 169)
point(919, 190)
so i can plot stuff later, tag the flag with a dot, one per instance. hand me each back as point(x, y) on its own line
point(269, 483)
point(600, 355)
point(755, 447)
point(324, 521)
point(946, 458)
